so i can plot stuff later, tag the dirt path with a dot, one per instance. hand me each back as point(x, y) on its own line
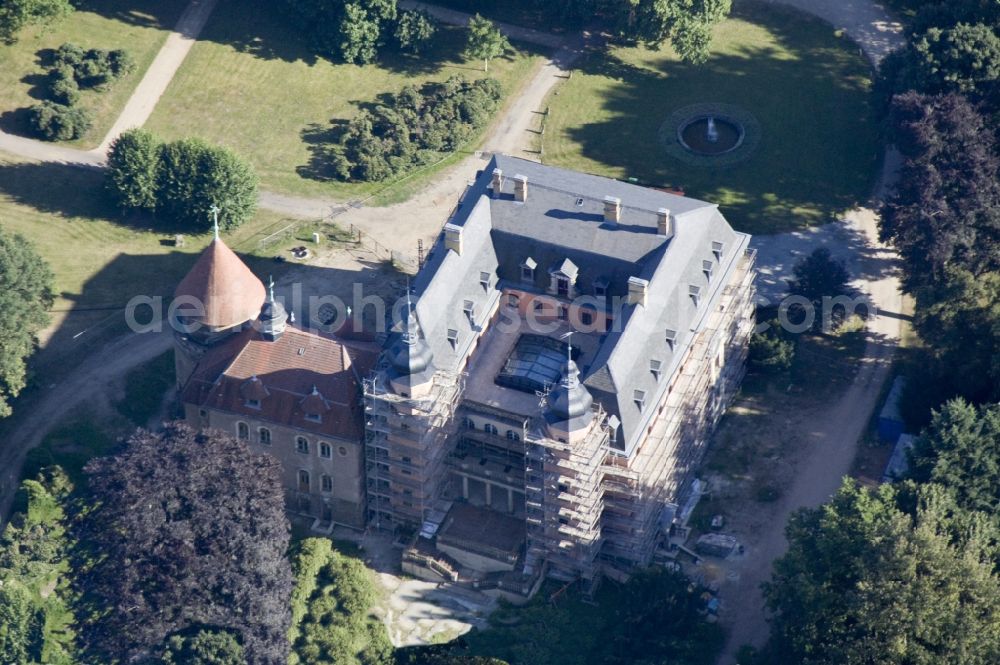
point(34, 417)
point(867, 22)
point(835, 436)
point(161, 72)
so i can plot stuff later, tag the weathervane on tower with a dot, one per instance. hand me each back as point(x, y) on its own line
point(215, 210)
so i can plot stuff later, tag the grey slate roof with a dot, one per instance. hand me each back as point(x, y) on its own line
point(561, 225)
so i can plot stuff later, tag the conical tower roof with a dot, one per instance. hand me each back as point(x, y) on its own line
point(229, 292)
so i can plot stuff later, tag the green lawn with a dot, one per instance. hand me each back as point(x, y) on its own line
point(100, 259)
point(252, 84)
point(806, 85)
point(140, 27)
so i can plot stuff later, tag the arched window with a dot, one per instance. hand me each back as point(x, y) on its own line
point(513, 436)
point(302, 445)
point(325, 450)
point(303, 480)
point(243, 431)
point(265, 436)
point(327, 483)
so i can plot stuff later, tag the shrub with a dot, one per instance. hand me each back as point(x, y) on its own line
point(69, 55)
point(57, 122)
point(413, 126)
point(65, 91)
point(770, 352)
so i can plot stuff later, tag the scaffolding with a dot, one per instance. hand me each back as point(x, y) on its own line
point(563, 498)
point(637, 488)
point(405, 447)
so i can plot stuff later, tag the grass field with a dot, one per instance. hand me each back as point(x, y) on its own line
point(252, 84)
point(806, 85)
point(140, 27)
point(101, 260)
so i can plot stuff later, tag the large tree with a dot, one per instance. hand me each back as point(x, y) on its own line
point(864, 582)
point(958, 318)
point(192, 176)
point(25, 298)
point(17, 14)
point(686, 24)
point(964, 58)
point(960, 450)
point(188, 530)
point(945, 208)
point(485, 41)
point(132, 164)
point(819, 278)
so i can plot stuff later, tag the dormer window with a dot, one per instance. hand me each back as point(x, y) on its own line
point(707, 267)
point(469, 308)
point(314, 417)
point(654, 368)
point(601, 287)
point(671, 338)
point(562, 287)
point(453, 337)
point(528, 270)
point(639, 397)
point(253, 403)
point(717, 249)
point(695, 293)
point(484, 280)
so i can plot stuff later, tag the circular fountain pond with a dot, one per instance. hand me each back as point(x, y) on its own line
point(711, 135)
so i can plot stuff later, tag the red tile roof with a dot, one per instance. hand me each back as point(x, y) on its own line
point(230, 293)
point(289, 368)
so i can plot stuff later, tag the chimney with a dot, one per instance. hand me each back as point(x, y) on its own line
point(664, 222)
point(497, 182)
point(520, 188)
point(637, 288)
point(612, 209)
point(453, 237)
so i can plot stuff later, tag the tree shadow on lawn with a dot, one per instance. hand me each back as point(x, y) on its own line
point(818, 148)
point(161, 14)
point(67, 190)
point(320, 141)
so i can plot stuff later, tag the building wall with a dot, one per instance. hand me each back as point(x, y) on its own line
point(344, 503)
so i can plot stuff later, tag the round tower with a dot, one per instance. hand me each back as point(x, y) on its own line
point(218, 297)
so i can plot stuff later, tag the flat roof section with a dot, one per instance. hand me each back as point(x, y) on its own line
point(482, 531)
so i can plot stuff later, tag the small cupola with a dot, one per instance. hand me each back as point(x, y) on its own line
point(273, 318)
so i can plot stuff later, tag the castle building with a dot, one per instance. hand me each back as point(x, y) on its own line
point(244, 368)
point(571, 344)
point(540, 409)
